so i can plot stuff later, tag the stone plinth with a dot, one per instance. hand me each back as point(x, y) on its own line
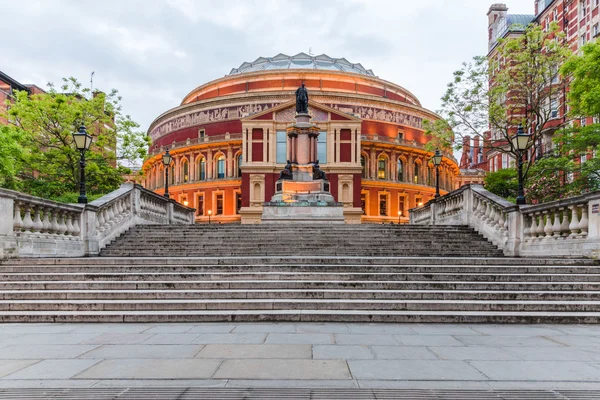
point(303, 212)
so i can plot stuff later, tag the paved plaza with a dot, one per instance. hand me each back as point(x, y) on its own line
point(301, 355)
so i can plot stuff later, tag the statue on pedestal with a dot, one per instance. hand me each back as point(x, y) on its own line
point(301, 100)
point(287, 174)
point(318, 173)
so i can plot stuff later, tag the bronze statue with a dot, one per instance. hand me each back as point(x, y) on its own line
point(287, 174)
point(318, 173)
point(301, 100)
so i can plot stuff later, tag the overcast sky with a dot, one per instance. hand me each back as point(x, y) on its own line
point(156, 51)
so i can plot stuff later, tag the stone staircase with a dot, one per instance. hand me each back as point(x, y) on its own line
point(367, 273)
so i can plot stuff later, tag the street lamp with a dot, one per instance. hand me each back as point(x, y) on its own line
point(83, 141)
point(437, 161)
point(399, 215)
point(209, 214)
point(520, 143)
point(166, 159)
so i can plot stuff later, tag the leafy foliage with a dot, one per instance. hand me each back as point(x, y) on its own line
point(503, 183)
point(489, 98)
point(48, 162)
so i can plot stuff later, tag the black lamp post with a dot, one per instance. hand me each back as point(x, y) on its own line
point(520, 143)
point(166, 159)
point(83, 141)
point(437, 161)
point(209, 214)
point(399, 215)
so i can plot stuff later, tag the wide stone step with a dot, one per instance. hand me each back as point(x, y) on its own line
point(520, 317)
point(299, 304)
point(297, 294)
point(300, 276)
point(304, 284)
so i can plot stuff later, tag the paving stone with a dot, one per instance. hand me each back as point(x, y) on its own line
point(300, 338)
point(307, 383)
point(8, 367)
point(383, 340)
point(402, 353)
point(231, 338)
point(270, 351)
point(507, 341)
point(538, 370)
point(342, 352)
point(172, 338)
point(322, 328)
point(45, 351)
point(474, 353)
point(568, 340)
point(173, 328)
point(38, 328)
point(575, 330)
point(414, 369)
point(184, 383)
point(379, 329)
point(555, 353)
point(152, 369)
point(119, 338)
point(415, 384)
point(111, 328)
point(515, 330)
point(52, 369)
point(443, 329)
point(44, 338)
point(158, 351)
point(212, 328)
point(427, 340)
point(47, 383)
point(283, 369)
point(264, 328)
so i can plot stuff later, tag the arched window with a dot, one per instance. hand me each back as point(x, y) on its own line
point(381, 168)
point(221, 167)
point(416, 173)
point(239, 166)
point(185, 169)
point(172, 172)
point(400, 171)
point(201, 169)
point(429, 177)
point(161, 181)
point(363, 164)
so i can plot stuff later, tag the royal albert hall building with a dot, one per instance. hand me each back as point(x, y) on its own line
point(228, 141)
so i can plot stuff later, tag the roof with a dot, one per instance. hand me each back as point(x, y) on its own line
point(12, 82)
point(518, 22)
point(542, 5)
point(301, 61)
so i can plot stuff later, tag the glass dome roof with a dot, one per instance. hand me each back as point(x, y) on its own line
point(301, 61)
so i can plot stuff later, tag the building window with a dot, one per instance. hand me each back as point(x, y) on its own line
point(429, 180)
point(402, 204)
point(239, 166)
point(322, 148)
point(238, 202)
point(583, 122)
point(583, 158)
point(200, 204)
point(201, 133)
point(381, 170)
point(553, 108)
point(281, 147)
point(219, 199)
point(172, 172)
point(504, 160)
point(416, 177)
point(185, 169)
point(363, 164)
point(383, 205)
point(419, 201)
point(201, 169)
point(595, 30)
point(582, 40)
point(401, 135)
point(556, 14)
point(583, 8)
point(363, 203)
point(400, 171)
point(221, 167)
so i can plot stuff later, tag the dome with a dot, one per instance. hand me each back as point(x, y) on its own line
point(301, 61)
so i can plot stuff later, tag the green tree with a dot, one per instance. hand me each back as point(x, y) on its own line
point(13, 155)
point(489, 97)
point(503, 183)
point(49, 119)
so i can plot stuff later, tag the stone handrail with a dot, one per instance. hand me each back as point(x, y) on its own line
point(205, 139)
point(35, 227)
point(565, 228)
point(399, 141)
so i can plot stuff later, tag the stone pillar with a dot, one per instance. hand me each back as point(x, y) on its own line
point(303, 150)
point(209, 165)
point(229, 162)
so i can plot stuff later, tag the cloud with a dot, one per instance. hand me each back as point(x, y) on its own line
point(156, 51)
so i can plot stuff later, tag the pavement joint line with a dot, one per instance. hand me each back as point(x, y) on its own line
point(98, 361)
